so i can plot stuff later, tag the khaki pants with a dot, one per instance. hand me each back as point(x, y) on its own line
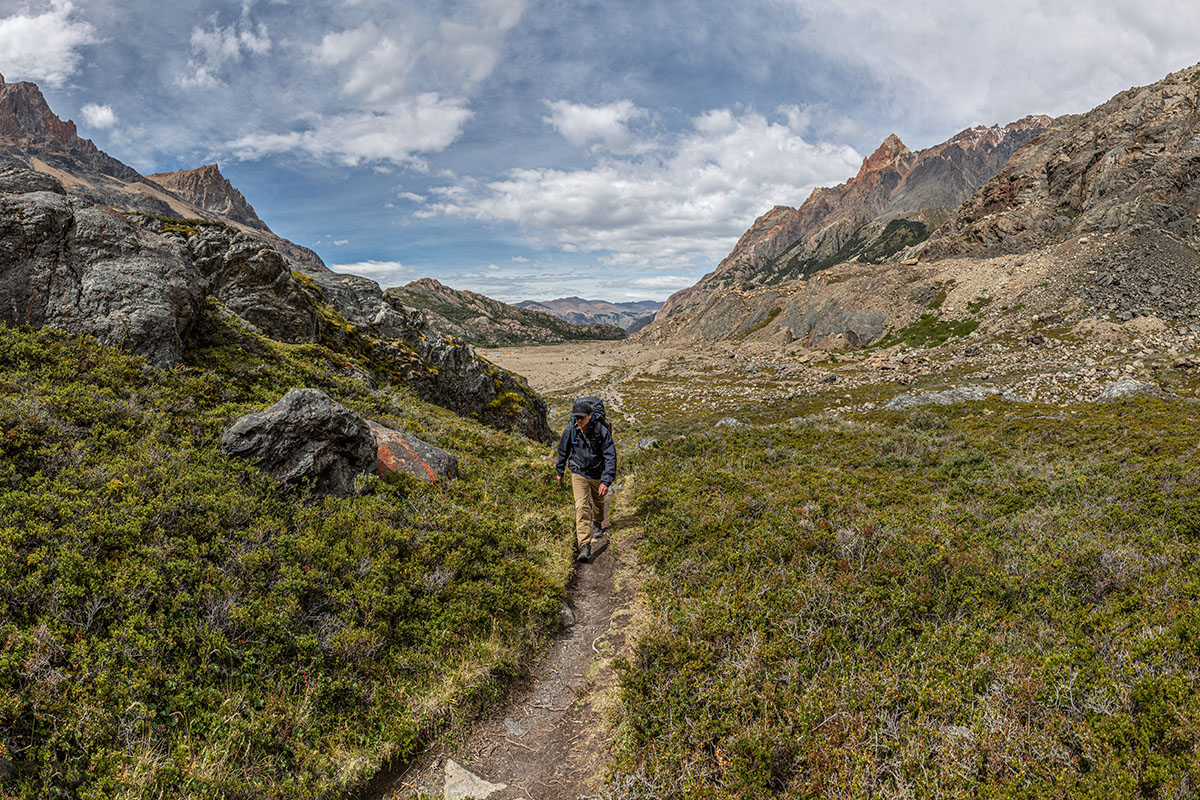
point(590, 507)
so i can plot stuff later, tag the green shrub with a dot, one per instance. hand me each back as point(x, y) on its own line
point(940, 603)
point(171, 624)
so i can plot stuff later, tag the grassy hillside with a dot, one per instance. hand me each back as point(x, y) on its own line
point(985, 601)
point(173, 626)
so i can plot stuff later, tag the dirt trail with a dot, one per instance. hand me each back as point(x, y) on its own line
point(549, 741)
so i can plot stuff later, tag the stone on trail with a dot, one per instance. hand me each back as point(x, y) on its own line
point(461, 784)
point(399, 452)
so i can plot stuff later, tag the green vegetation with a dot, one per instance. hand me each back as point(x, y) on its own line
point(977, 305)
point(929, 331)
point(171, 625)
point(986, 601)
point(896, 235)
point(188, 227)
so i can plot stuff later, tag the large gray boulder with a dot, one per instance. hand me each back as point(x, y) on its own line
point(87, 270)
point(959, 394)
point(305, 436)
point(1127, 388)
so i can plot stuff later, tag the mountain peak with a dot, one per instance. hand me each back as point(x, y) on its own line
point(886, 155)
point(207, 188)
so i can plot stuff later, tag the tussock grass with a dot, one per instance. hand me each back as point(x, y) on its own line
point(977, 601)
point(171, 625)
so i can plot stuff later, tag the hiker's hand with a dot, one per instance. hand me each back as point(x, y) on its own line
point(560, 478)
point(603, 490)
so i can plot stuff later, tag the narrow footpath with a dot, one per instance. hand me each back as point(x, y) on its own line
point(549, 742)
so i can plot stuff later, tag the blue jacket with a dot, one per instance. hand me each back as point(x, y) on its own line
point(592, 454)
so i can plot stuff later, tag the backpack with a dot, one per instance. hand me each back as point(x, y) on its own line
point(597, 410)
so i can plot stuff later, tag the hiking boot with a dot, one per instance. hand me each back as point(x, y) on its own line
point(597, 532)
point(585, 554)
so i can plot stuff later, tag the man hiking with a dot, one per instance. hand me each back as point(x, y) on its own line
point(587, 446)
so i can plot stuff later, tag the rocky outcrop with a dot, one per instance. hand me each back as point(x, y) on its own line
point(893, 203)
point(446, 371)
point(305, 437)
point(86, 269)
point(1131, 165)
point(483, 321)
point(1129, 388)
point(208, 189)
point(399, 452)
point(141, 283)
point(959, 394)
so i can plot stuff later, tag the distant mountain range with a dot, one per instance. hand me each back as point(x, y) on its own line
point(484, 321)
point(631, 316)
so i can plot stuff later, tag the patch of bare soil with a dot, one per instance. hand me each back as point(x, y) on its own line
point(549, 742)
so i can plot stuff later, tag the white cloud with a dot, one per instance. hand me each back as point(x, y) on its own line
point(670, 282)
point(97, 116)
point(944, 63)
point(340, 242)
point(385, 273)
point(582, 124)
point(471, 52)
point(379, 65)
point(426, 123)
point(216, 49)
point(685, 206)
point(44, 47)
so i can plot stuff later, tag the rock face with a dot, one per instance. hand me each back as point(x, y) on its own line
point(578, 311)
point(892, 203)
point(483, 321)
point(1130, 165)
point(305, 436)
point(399, 452)
point(85, 269)
point(208, 189)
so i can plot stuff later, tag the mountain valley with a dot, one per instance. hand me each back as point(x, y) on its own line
point(907, 501)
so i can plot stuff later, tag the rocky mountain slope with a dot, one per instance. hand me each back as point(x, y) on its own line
point(895, 201)
point(1130, 165)
point(147, 283)
point(208, 189)
point(483, 321)
point(33, 137)
point(630, 316)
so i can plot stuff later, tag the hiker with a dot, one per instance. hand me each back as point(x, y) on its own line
point(587, 445)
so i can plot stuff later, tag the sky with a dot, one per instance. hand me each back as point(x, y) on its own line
point(534, 149)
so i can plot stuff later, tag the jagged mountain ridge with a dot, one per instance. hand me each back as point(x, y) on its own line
point(33, 137)
point(895, 201)
point(483, 321)
point(629, 315)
